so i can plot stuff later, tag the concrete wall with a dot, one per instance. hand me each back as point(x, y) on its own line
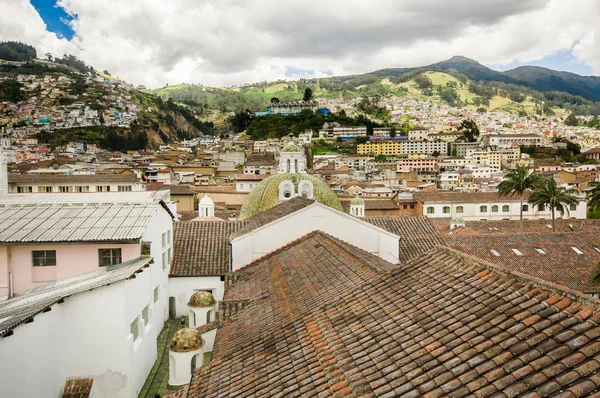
point(182, 288)
point(86, 335)
point(273, 236)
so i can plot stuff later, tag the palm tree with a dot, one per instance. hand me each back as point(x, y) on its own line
point(516, 182)
point(594, 197)
point(557, 198)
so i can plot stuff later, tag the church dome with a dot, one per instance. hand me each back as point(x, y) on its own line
point(266, 194)
point(292, 148)
point(201, 299)
point(357, 201)
point(186, 339)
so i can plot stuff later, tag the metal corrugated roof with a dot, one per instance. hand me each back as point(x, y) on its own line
point(74, 222)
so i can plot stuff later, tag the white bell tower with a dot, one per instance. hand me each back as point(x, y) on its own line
point(206, 207)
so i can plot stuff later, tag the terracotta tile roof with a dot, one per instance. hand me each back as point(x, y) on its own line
point(560, 264)
point(445, 324)
point(182, 189)
point(272, 214)
point(78, 388)
point(16, 178)
point(512, 226)
point(417, 233)
point(465, 197)
point(202, 248)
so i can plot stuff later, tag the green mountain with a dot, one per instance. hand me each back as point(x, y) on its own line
point(544, 79)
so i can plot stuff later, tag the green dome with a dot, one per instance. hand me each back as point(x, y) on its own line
point(356, 201)
point(292, 148)
point(266, 194)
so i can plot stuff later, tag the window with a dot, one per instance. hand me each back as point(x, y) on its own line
point(430, 210)
point(576, 250)
point(525, 207)
point(573, 207)
point(109, 257)
point(156, 294)
point(541, 207)
point(43, 258)
point(24, 189)
point(164, 240)
point(540, 251)
point(46, 189)
point(517, 252)
point(446, 209)
point(412, 206)
point(459, 209)
point(405, 206)
point(145, 315)
point(64, 189)
point(505, 208)
point(494, 209)
point(133, 329)
point(483, 209)
point(124, 188)
point(103, 188)
point(169, 237)
point(495, 253)
point(165, 260)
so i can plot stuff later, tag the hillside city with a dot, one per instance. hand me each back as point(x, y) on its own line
point(400, 243)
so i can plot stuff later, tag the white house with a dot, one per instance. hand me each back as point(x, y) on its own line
point(101, 325)
point(487, 206)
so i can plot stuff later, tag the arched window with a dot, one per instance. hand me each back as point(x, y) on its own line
point(505, 208)
point(494, 209)
point(446, 209)
point(483, 209)
point(286, 190)
point(430, 210)
point(306, 189)
point(459, 209)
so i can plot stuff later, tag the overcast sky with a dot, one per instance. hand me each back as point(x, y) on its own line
point(227, 42)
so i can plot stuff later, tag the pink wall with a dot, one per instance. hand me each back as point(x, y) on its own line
point(71, 260)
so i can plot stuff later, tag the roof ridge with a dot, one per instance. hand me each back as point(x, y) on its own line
point(501, 270)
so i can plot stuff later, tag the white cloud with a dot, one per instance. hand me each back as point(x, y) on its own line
point(227, 42)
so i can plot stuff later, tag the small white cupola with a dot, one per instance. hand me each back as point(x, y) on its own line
point(206, 207)
point(185, 355)
point(202, 307)
point(357, 207)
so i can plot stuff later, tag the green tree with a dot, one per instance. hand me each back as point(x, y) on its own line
point(393, 131)
point(361, 140)
point(516, 182)
point(594, 198)
point(547, 194)
point(308, 94)
point(435, 154)
point(469, 129)
point(571, 120)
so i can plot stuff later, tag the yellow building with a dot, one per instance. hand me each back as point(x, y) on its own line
point(380, 148)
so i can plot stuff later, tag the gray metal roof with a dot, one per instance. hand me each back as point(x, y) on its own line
point(22, 308)
point(74, 222)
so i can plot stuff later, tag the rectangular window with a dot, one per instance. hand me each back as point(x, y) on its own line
point(43, 258)
point(145, 315)
point(109, 257)
point(164, 240)
point(540, 251)
point(64, 189)
point(124, 188)
point(577, 250)
point(24, 189)
point(164, 260)
point(156, 294)
point(169, 237)
point(133, 329)
point(45, 189)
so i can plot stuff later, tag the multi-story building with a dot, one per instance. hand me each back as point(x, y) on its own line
point(407, 164)
point(418, 134)
point(380, 148)
point(77, 183)
point(508, 140)
point(424, 147)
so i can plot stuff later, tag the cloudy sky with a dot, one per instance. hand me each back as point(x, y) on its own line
point(228, 42)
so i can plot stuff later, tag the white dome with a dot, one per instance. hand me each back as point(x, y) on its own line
point(206, 200)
